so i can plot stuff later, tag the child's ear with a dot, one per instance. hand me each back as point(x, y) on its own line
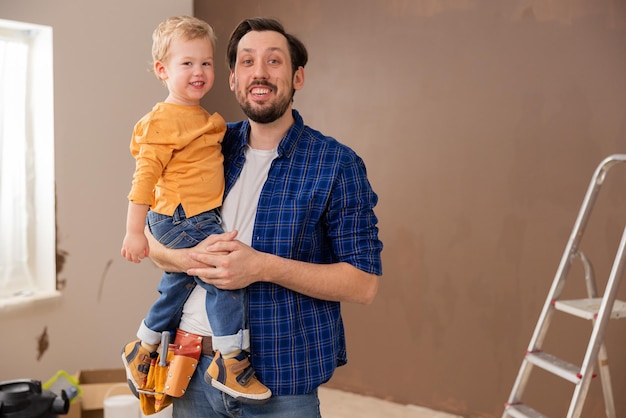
point(160, 70)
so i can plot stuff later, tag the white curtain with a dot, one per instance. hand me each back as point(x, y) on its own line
point(15, 274)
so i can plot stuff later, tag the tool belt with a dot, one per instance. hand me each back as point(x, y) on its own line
point(171, 373)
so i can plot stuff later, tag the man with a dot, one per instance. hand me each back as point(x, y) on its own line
point(304, 235)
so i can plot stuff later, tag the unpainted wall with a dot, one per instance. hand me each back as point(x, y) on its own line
point(481, 124)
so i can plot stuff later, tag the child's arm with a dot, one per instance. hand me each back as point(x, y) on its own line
point(135, 246)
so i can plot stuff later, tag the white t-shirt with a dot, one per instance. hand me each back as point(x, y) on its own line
point(238, 212)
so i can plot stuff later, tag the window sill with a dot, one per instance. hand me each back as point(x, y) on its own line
point(20, 302)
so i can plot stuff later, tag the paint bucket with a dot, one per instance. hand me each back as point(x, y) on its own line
point(120, 406)
point(163, 413)
point(123, 405)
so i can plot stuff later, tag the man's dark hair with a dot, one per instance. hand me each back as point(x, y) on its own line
point(297, 50)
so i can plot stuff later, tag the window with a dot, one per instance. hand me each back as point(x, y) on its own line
point(27, 218)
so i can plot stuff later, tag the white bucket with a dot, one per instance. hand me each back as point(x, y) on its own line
point(163, 413)
point(121, 406)
point(119, 403)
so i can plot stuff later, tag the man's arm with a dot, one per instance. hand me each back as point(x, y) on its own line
point(179, 260)
point(340, 282)
point(230, 264)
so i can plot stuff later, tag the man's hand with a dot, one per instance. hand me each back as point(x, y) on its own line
point(230, 264)
point(179, 260)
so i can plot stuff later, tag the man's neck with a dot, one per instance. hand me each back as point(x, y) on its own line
point(267, 136)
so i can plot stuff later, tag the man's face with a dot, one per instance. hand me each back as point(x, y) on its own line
point(262, 79)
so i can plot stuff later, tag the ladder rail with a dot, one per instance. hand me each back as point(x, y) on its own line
point(605, 377)
point(602, 321)
point(603, 358)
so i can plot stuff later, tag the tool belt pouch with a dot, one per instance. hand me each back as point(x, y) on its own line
point(187, 348)
point(152, 398)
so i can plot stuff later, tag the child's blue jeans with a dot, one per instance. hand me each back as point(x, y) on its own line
point(225, 309)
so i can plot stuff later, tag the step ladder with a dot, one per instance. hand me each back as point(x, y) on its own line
point(597, 309)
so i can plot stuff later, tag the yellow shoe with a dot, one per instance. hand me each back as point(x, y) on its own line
point(136, 361)
point(235, 376)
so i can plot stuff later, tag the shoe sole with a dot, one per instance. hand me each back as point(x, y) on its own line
point(129, 377)
point(243, 398)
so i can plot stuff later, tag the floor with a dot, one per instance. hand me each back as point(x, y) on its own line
point(339, 404)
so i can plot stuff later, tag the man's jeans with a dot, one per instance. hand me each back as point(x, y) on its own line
point(201, 400)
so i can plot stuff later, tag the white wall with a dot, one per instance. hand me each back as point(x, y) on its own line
point(101, 56)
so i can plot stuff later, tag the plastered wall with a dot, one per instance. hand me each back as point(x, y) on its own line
point(480, 122)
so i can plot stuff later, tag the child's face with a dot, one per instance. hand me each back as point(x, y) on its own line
point(188, 71)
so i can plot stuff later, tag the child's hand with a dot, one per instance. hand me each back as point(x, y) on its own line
point(135, 247)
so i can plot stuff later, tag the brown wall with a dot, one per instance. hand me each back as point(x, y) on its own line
point(481, 124)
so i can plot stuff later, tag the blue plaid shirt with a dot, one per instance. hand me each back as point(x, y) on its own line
point(316, 206)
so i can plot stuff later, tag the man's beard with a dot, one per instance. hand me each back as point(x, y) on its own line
point(267, 114)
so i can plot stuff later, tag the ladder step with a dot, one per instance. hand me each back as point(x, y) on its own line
point(522, 411)
point(555, 366)
point(589, 308)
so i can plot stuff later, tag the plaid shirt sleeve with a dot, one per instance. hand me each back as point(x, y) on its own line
point(350, 217)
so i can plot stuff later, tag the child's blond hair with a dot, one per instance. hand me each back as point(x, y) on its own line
point(179, 27)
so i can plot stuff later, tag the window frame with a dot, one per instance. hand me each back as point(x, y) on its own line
point(41, 230)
